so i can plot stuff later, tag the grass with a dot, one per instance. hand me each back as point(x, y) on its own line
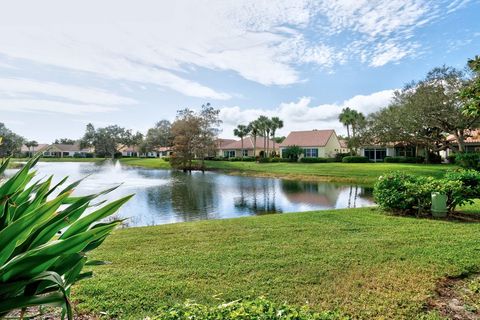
point(362, 173)
point(361, 262)
point(359, 173)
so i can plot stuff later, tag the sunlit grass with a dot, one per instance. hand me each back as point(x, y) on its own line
point(361, 261)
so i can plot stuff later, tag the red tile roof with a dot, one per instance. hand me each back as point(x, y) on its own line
point(473, 136)
point(247, 144)
point(311, 138)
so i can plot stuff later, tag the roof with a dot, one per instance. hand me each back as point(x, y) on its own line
point(472, 136)
point(40, 146)
point(220, 143)
point(67, 147)
point(311, 138)
point(247, 144)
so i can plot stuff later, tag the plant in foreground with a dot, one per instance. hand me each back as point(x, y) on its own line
point(44, 240)
point(258, 309)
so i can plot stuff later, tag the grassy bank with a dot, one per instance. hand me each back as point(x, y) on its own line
point(360, 261)
point(362, 173)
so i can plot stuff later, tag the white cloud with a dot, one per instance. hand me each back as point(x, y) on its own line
point(302, 115)
point(11, 87)
point(161, 42)
point(38, 105)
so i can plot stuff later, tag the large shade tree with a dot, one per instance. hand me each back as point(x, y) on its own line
point(158, 136)
point(108, 141)
point(470, 94)
point(11, 142)
point(194, 136)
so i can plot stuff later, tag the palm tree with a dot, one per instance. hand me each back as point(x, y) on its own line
point(263, 122)
point(255, 130)
point(241, 131)
point(276, 124)
point(347, 118)
point(29, 145)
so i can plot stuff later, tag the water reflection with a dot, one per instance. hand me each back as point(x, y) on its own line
point(164, 196)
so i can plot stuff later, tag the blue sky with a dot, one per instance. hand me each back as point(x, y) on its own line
point(65, 64)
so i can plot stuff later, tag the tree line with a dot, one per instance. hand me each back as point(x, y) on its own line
point(423, 113)
point(262, 127)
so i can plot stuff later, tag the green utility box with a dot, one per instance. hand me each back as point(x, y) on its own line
point(439, 205)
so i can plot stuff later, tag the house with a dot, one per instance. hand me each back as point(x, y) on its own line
point(160, 152)
point(472, 142)
point(26, 152)
point(378, 152)
point(60, 150)
point(234, 149)
point(343, 146)
point(129, 151)
point(315, 143)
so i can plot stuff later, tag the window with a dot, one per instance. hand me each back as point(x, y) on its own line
point(245, 153)
point(408, 151)
point(229, 154)
point(310, 153)
point(375, 154)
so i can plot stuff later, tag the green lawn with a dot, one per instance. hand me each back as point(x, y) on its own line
point(360, 261)
point(364, 173)
point(361, 173)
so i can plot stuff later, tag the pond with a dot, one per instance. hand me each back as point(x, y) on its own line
point(165, 196)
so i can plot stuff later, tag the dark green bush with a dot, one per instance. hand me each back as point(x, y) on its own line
point(355, 159)
point(451, 158)
point(468, 160)
point(339, 156)
point(434, 158)
point(258, 309)
point(276, 159)
point(167, 159)
point(418, 159)
point(315, 160)
point(407, 193)
point(248, 159)
point(264, 160)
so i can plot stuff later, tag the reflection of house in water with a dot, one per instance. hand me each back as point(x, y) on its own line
point(319, 194)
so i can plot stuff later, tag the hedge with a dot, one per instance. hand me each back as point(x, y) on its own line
point(316, 160)
point(355, 159)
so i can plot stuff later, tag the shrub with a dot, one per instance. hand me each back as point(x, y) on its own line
point(167, 159)
point(470, 187)
point(315, 160)
point(249, 159)
point(468, 160)
point(451, 158)
point(339, 156)
point(264, 160)
point(259, 308)
point(407, 193)
point(434, 158)
point(276, 159)
point(42, 247)
point(292, 152)
point(418, 159)
point(355, 159)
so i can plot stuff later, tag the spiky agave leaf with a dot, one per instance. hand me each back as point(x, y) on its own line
point(36, 266)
